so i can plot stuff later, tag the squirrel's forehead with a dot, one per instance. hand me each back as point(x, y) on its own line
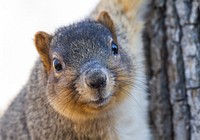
point(81, 35)
point(81, 31)
point(80, 39)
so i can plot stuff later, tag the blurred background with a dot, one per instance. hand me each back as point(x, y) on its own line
point(20, 20)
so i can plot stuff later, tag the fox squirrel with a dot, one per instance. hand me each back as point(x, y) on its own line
point(89, 82)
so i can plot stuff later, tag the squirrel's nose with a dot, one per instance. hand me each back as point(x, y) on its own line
point(95, 78)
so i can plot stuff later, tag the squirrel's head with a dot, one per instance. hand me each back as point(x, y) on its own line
point(88, 71)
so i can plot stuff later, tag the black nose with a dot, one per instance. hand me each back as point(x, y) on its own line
point(95, 78)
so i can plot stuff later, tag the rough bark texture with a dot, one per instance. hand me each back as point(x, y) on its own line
point(172, 44)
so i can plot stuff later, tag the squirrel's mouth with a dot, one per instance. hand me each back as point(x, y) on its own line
point(101, 101)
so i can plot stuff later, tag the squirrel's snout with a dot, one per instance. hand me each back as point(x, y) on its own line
point(96, 78)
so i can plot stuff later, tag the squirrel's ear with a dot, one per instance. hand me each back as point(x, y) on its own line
point(105, 19)
point(42, 42)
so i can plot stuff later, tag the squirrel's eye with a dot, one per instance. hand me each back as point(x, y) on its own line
point(114, 48)
point(57, 64)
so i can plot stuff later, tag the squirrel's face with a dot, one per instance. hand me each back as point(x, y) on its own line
point(88, 72)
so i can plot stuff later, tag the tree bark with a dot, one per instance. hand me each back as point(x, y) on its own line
point(172, 44)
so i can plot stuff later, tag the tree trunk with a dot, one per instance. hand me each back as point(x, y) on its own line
point(172, 44)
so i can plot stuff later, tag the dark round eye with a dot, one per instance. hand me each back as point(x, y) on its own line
point(114, 48)
point(57, 65)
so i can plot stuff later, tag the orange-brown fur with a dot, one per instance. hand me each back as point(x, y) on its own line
point(42, 41)
point(106, 20)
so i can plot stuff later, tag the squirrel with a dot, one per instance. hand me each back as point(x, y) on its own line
point(89, 82)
